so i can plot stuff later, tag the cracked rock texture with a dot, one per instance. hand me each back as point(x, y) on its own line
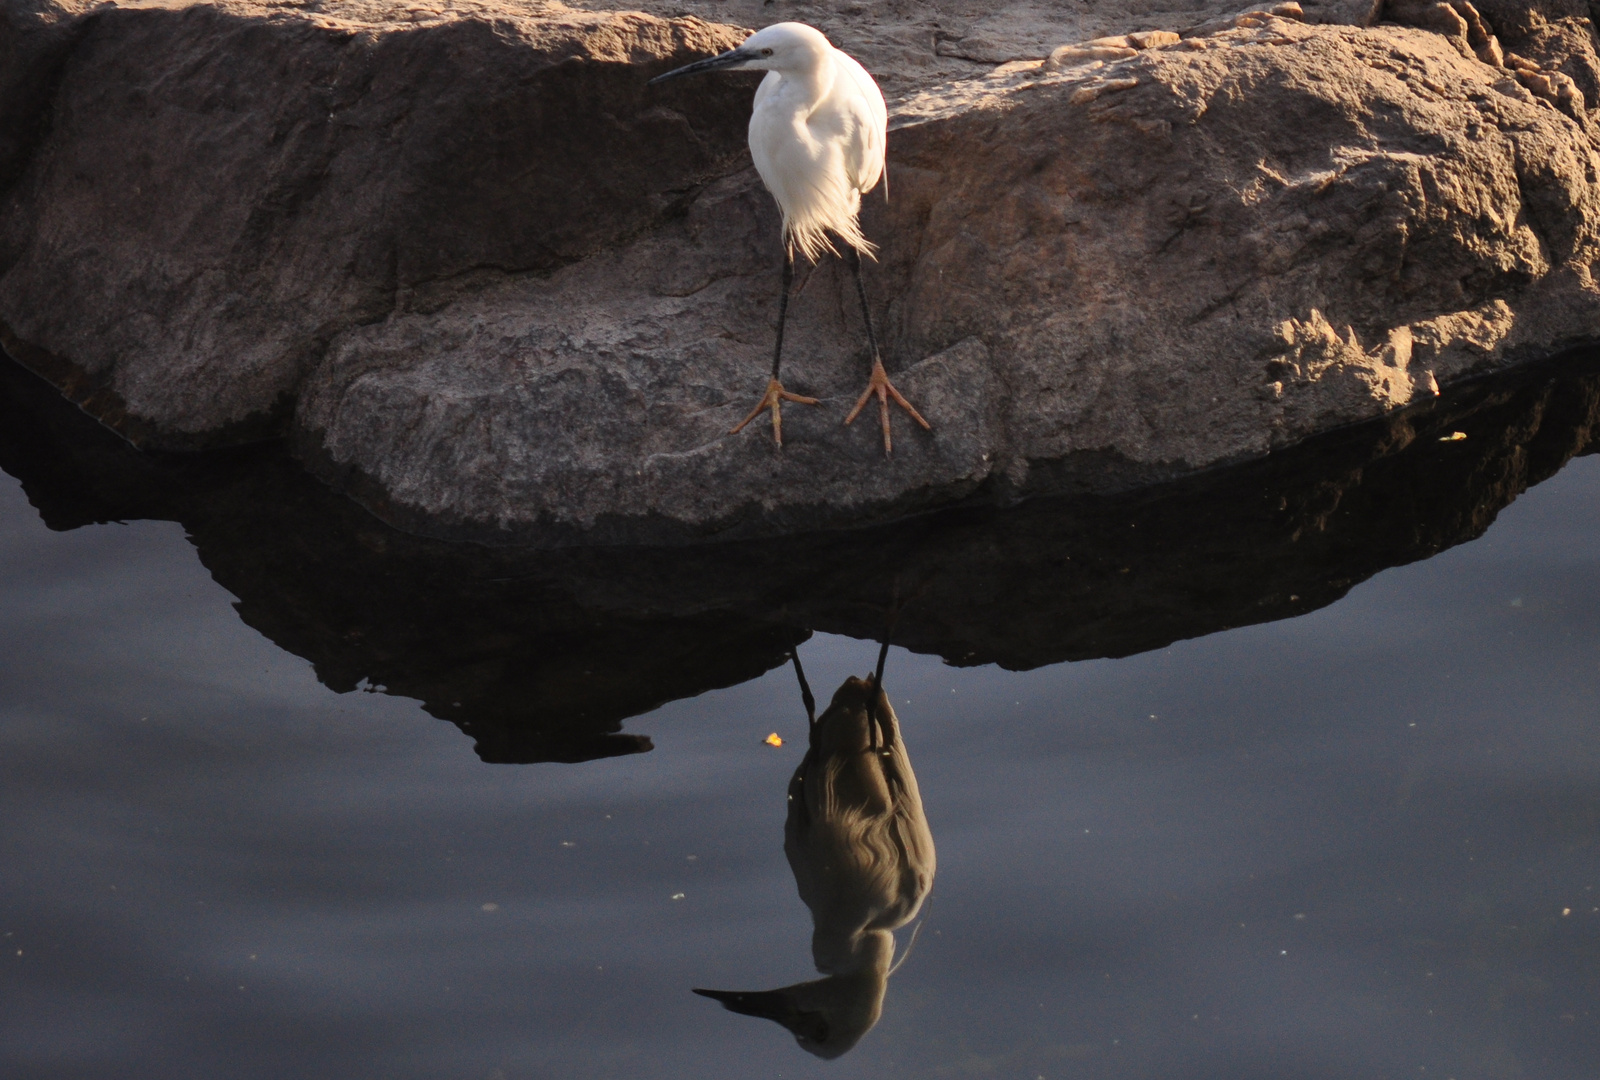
point(497, 288)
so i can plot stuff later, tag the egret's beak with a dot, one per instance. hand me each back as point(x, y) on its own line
point(730, 59)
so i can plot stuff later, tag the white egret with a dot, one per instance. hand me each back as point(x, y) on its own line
point(817, 134)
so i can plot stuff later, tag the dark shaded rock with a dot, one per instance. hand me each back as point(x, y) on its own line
point(224, 188)
point(35, 39)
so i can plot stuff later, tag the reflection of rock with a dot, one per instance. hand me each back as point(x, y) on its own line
point(550, 651)
point(863, 860)
point(497, 288)
point(1091, 577)
point(516, 663)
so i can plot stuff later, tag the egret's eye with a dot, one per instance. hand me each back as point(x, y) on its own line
point(766, 52)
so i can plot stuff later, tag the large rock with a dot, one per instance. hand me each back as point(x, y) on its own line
point(498, 288)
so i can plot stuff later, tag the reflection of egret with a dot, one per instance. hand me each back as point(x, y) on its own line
point(817, 134)
point(863, 860)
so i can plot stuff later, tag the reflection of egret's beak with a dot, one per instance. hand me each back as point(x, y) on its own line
point(730, 59)
point(776, 1005)
point(827, 1016)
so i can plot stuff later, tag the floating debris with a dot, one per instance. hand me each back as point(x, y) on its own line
point(1454, 436)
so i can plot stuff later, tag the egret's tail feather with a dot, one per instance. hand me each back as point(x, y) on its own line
point(811, 239)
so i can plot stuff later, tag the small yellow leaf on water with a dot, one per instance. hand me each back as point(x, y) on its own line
point(773, 740)
point(1454, 436)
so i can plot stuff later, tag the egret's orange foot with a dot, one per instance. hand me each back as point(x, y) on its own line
point(880, 385)
point(773, 399)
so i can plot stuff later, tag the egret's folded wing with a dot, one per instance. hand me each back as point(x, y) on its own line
point(862, 102)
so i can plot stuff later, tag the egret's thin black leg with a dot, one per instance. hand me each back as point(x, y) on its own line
point(783, 314)
point(775, 395)
point(878, 384)
point(853, 257)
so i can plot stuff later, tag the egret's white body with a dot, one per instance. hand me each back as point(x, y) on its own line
point(817, 133)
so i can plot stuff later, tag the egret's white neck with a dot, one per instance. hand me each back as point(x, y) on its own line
point(803, 86)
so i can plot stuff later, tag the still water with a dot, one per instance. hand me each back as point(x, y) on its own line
point(1360, 841)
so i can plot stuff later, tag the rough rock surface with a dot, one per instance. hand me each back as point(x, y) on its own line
point(222, 189)
point(499, 289)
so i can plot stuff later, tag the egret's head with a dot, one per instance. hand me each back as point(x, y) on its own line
point(788, 46)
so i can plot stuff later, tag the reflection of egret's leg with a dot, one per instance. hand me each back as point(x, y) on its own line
point(805, 696)
point(805, 689)
point(874, 724)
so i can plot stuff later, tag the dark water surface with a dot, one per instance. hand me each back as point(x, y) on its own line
point(1356, 842)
